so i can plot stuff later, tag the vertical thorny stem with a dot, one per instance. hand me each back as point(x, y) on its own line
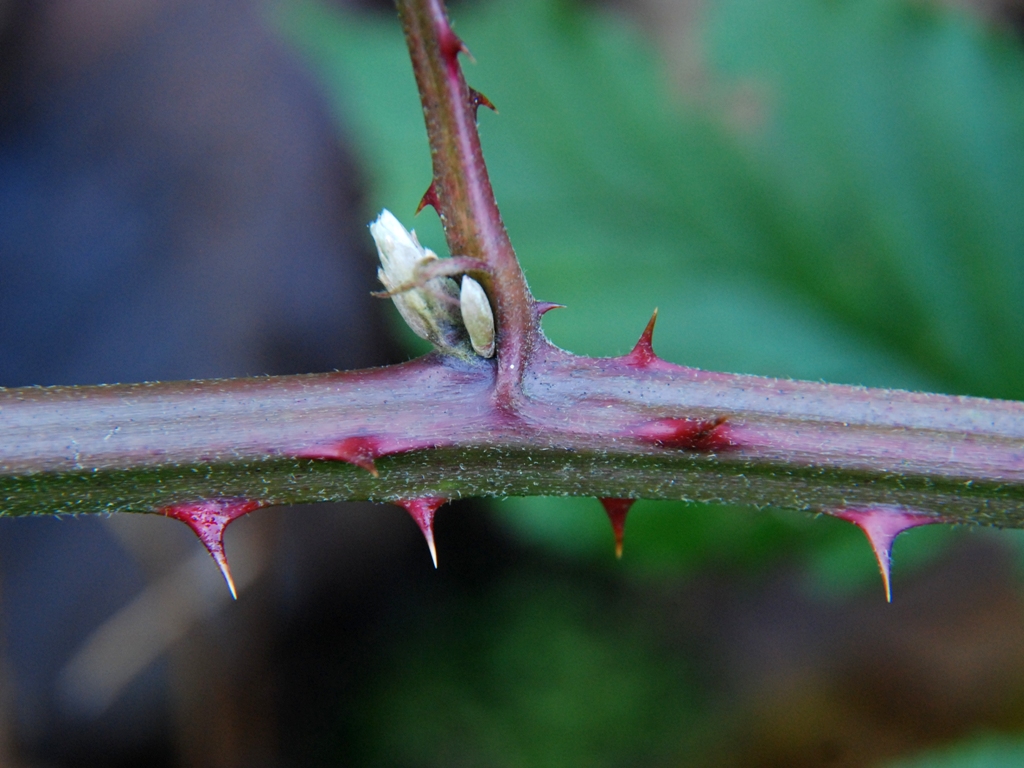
point(461, 190)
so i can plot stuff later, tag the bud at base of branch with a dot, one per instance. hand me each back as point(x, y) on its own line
point(477, 316)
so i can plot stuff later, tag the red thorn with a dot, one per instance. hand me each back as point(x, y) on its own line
point(882, 525)
point(617, 510)
point(208, 520)
point(422, 511)
point(643, 353)
point(543, 307)
point(363, 450)
point(688, 434)
point(360, 451)
point(477, 100)
point(429, 198)
point(452, 45)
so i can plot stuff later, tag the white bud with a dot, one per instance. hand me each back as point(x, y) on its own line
point(477, 316)
point(429, 309)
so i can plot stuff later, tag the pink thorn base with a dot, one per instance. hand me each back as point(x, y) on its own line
point(208, 520)
point(617, 510)
point(477, 100)
point(688, 434)
point(360, 451)
point(423, 511)
point(363, 450)
point(882, 525)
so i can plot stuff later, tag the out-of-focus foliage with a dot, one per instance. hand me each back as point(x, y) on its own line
point(471, 693)
point(842, 198)
point(988, 752)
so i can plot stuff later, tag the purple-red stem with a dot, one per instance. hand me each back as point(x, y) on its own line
point(461, 189)
point(583, 426)
point(538, 421)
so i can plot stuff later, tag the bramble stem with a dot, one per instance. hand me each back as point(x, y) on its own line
point(461, 189)
point(539, 422)
point(580, 430)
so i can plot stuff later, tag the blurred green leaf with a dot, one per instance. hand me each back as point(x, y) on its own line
point(535, 675)
point(984, 752)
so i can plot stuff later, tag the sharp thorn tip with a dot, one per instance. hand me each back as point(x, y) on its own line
point(225, 570)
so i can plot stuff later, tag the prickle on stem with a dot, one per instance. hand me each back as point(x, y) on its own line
point(543, 307)
point(687, 434)
point(643, 354)
point(423, 511)
point(360, 451)
point(477, 100)
point(882, 525)
point(429, 198)
point(208, 519)
point(617, 510)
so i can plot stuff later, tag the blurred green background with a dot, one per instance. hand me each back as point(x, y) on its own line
point(817, 189)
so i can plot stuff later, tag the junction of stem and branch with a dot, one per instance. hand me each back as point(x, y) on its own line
point(531, 420)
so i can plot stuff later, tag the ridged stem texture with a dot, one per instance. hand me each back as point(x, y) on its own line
point(534, 420)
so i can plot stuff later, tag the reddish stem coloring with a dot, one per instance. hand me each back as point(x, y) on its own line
point(533, 420)
point(461, 188)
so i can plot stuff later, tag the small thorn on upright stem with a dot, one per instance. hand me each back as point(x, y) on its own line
point(543, 307)
point(429, 198)
point(423, 511)
point(478, 100)
point(643, 353)
point(452, 45)
point(882, 525)
point(617, 510)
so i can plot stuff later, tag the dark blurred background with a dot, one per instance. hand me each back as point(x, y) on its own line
point(824, 189)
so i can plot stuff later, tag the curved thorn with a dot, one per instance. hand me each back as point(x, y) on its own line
point(543, 307)
point(478, 100)
point(882, 525)
point(617, 509)
point(643, 353)
point(452, 45)
point(429, 198)
point(208, 520)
